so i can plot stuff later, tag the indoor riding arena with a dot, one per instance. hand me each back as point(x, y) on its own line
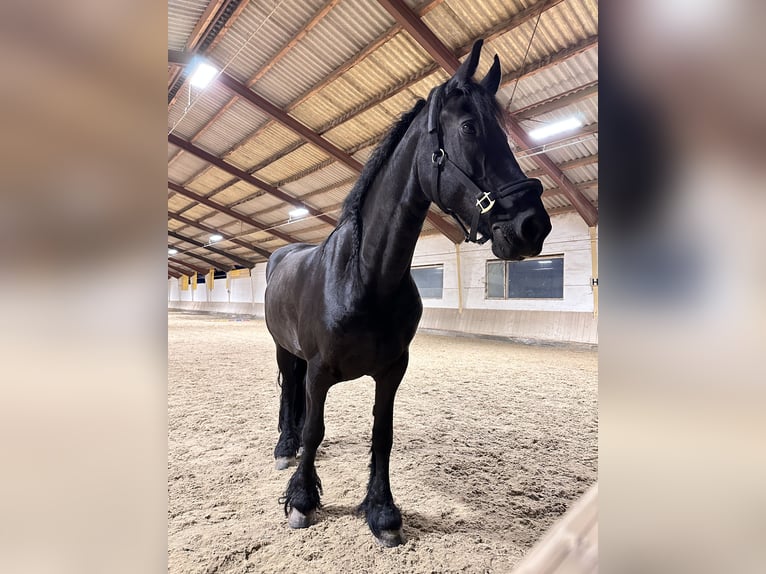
point(275, 108)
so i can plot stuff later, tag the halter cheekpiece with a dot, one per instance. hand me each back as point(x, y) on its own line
point(485, 200)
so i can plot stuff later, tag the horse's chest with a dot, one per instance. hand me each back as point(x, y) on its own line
point(364, 344)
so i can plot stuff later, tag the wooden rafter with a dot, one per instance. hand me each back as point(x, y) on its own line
point(567, 165)
point(236, 258)
point(230, 212)
point(502, 28)
point(288, 121)
point(216, 10)
point(190, 222)
point(509, 77)
point(568, 98)
point(179, 266)
point(315, 137)
point(246, 177)
point(202, 24)
point(211, 262)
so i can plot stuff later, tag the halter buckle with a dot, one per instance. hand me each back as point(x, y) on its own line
point(438, 157)
point(490, 202)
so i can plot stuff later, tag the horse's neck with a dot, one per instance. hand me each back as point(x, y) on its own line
point(392, 217)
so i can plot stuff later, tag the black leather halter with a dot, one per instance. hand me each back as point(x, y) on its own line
point(485, 200)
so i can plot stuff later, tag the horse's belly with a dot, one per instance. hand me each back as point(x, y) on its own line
point(360, 353)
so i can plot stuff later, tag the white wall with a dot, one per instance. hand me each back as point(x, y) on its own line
point(566, 319)
point(569, 236)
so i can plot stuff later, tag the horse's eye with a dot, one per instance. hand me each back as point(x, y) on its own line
point(468, 128)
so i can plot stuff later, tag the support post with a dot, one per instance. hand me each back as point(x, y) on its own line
point(594, 268)
point(459, 280)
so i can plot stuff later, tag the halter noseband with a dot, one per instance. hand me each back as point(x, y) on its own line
point(485, 200)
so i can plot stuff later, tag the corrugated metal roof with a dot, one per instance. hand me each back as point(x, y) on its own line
point(185, 167)
point(256, 37)
point(272, 140)
point(182, 17)
point(172, 150)
point(340, 35)
point(237, 123)
point(249, 139)
point(178, 202)
point(330, 175)
point(567, 75)
point(292, 163)
point(189, 116)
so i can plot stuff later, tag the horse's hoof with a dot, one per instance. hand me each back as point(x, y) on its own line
point(282, 462)
point(296, 519)
point(390, 538)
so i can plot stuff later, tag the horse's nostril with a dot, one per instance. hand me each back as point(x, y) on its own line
point(531, 229)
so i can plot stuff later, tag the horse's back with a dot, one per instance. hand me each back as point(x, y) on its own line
point(283, 252)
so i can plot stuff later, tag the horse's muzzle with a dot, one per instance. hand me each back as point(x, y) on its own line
point(521, 237)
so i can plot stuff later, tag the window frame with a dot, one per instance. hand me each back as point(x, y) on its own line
point(429, 266)
point(505, 279)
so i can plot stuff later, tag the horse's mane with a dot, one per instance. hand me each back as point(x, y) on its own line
point(352, 206)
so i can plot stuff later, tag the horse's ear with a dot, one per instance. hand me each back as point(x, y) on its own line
point(492, 80)
point(467, 68)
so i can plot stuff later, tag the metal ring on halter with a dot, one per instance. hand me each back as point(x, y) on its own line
point(490, 202)
point(438, 157)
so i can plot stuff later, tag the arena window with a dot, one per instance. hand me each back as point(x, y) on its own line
point(538, 278)
point(430, 280)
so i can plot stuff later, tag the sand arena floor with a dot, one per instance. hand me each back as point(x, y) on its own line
point(492, 442)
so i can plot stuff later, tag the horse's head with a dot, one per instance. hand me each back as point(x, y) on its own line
point(472, 173)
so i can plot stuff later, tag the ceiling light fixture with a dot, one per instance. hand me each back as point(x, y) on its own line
point(172, 251)
point(555, 128)
point(298, 212)
point(215, 237)
point(202, 75)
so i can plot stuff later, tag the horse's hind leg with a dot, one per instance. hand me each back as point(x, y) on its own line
point(383, 517)
point(291, 407)
point(302, 495)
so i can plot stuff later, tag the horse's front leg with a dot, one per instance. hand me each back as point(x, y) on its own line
point(302, 496)
point(383, 517)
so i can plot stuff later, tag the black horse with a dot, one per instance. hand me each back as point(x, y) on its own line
point(349, 307)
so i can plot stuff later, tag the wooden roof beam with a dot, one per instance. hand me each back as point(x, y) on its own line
point(527, 70)
point(288, 121)
point(236, 258)
point(567, 165)
point(208, 261)
point(441, 54)
point(515, 21)
point(260, 251)
point(246, 177)
point(203, 23)
point(179, 189)
point(179, 266)
point(557, 102)
point(215, 22)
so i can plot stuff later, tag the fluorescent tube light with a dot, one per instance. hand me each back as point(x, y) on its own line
point(555, 128)
point(299, 212)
